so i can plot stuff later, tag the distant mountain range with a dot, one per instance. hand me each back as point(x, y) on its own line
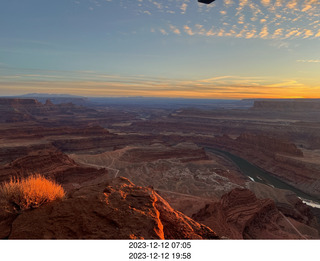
point(49, 95)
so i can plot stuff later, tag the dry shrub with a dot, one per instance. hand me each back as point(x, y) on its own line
point(30, 192)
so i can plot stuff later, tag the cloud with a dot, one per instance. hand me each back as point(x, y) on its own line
point(174, 29)
point(264, 19)
point(183, 8)
point(228, 3)
point(251, 34)
point(241, 19)
point(280, 44)
point(266, 2)
point(308, 33)
point(162, 31)
point(158, 5)
point(308, 61)
point(264, 32)
point(277, 33)
point(90, 83)
point(293, 32)
point(188, 30)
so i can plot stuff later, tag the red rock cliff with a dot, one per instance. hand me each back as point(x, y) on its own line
point(240, 215)
point(114, 210)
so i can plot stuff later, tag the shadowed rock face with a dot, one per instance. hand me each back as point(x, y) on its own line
point(114, 210)
point(279, 157)
point(21, 110)
point(269, 144)
point(240, 215)
point(52, 164)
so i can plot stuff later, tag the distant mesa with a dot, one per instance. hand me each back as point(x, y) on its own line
point(54, 98)
point(287, 105)
point(48, 103)
point(37, 95)
point(26, 109)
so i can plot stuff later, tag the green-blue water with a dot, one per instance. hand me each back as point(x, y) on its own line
point(259, 175)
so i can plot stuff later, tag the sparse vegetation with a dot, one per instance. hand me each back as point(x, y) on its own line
point(30, 192)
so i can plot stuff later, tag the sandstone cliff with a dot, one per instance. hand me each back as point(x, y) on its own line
point(54, 164)
point(241, 215)
point(116, 209)
point(279, 157)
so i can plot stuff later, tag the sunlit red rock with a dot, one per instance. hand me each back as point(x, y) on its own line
point(114, 210)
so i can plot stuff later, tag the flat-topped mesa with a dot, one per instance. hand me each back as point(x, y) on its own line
point(17, 102)
point(17, 110)
point(287, 105)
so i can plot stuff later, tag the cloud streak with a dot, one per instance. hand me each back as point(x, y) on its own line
point(308, 61)
point(99, 84)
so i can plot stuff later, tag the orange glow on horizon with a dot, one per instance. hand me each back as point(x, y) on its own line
point(178, 89)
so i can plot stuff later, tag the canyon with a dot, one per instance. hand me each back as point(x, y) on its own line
point(145, 158)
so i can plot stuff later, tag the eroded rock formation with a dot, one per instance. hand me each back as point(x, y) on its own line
point(270, 145)
point(52, 164)
point(241, 215)
point(111, 210)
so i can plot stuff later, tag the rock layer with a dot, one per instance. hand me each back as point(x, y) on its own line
point(240, 215)
point(114, 210)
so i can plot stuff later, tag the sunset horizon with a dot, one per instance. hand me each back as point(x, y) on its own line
point(229, 49)
point(152, 130)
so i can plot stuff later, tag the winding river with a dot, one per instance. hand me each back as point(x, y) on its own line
point(257, 174)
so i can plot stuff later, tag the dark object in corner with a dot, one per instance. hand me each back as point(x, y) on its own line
point(206, 1)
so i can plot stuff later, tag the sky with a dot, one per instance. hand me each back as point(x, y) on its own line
point(230, 49)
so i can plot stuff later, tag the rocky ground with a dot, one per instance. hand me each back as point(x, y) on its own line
point(162, 152)
point(116, 209)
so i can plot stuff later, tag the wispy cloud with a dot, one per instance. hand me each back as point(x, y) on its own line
point(163, 31)
point(264, 19)
point(174, 29)
point(92, 83)
point(188, 30)
point(183, 8)
point(308, 61)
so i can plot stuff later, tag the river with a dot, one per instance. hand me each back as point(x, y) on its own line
point(257, 174)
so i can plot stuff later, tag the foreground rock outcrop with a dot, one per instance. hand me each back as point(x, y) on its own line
point(113, 210)
point(241, 215)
